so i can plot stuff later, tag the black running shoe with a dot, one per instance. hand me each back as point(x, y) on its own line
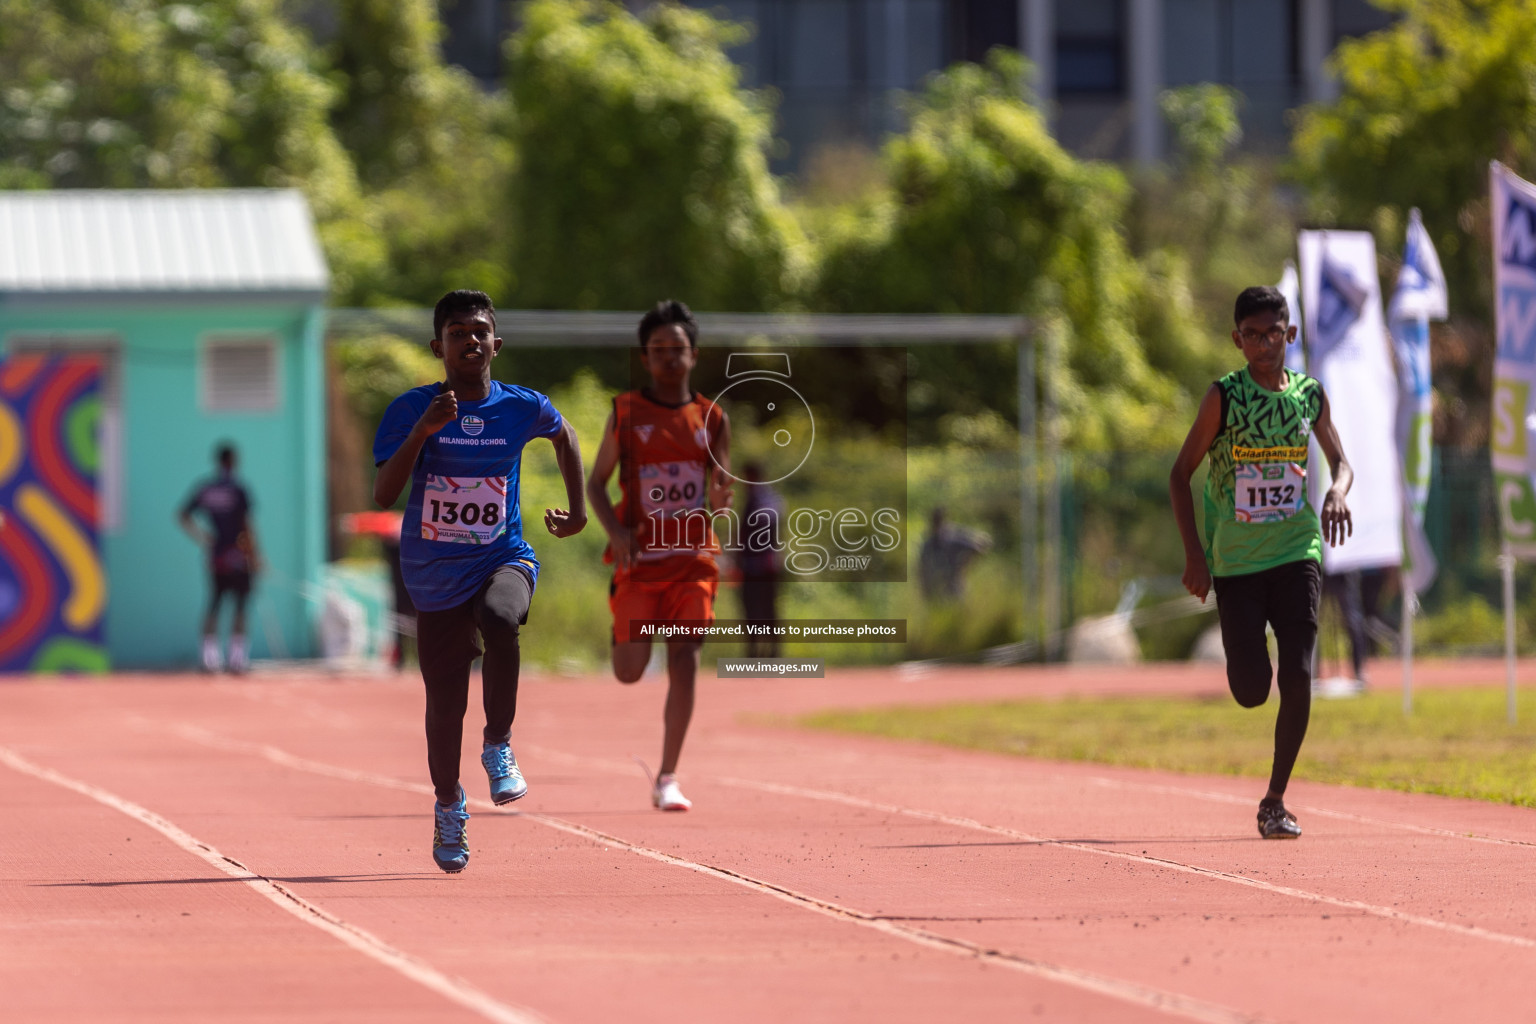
point(1275, 822)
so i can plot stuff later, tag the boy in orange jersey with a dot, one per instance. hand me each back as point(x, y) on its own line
point(671, 447)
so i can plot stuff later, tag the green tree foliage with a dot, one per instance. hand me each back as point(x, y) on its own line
point(984, 213)
point(641, 165)
point(154, 94)
point(1423, 106)
point(431, 148)
point(1219, 213)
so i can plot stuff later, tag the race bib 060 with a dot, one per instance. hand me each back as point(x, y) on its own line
point(464, 509)
point(1268, 492)
point(667, 488)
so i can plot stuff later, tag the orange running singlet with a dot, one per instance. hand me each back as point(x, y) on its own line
point(664, 473)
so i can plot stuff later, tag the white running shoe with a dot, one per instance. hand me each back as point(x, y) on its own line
point(667, 796)
point(213, 659)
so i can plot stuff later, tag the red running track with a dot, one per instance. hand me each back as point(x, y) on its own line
point(180, 849)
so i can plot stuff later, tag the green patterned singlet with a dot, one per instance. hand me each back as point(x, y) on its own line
point(1256, 511)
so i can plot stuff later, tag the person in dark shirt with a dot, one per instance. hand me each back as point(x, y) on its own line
point(946, 552)
point(759, 560)
point(226, 533)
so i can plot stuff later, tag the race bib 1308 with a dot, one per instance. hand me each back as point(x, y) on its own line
point(464, 509)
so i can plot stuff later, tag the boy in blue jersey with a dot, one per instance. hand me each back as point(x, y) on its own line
point(468, 569)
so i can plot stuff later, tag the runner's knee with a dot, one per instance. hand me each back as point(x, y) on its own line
point(629, 661)
point(1249, 683)
point(499, 625)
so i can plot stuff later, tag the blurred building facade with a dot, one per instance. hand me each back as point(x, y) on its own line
point(839, 66)
point(205, 311)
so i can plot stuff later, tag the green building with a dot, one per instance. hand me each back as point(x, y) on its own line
point(207, 311)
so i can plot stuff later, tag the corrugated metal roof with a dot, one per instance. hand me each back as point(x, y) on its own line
point(158, 242)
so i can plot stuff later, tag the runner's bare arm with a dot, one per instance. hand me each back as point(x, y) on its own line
point(562, 522)
point(252, 549)
point(1197, 575)
point(189, 525)
point(395, 472)
point(1337, 522)
point(620, 537)
point(721, 492)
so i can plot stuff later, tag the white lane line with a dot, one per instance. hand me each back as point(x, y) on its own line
point(1126, 991)
point(456, 990)
point(830, 796)
point(1323, 812)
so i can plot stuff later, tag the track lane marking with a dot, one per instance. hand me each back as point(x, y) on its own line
point(1174, 1003)
point(1322, 812)
point(456, 990)
point(832, 796)
point(1227, 798)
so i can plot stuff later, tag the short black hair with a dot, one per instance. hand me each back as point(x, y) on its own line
point(224, 454)
point(1261, 298)
point(461, 301)
point(666, 312)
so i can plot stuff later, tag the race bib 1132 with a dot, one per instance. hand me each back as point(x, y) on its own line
point(464, 509)
point(1268, 492)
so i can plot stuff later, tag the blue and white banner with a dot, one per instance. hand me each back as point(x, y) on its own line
point(1513, 209)
point(1349, 351)
point(1290, 287)
point(1420, 296)
point(1420, 293)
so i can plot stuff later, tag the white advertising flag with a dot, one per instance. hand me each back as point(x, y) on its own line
point(1290, 287)
point(1513, 208)
point(1348, 351)
point(1420, 296)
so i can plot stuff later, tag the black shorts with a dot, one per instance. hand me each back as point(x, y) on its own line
point(449, 639)
point(1284, 598)
point(237, 583)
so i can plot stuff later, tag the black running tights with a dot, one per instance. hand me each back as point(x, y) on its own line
point(446, 643)
point(1286, 598)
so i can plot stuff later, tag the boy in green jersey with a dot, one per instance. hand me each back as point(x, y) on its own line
point(1263, 540)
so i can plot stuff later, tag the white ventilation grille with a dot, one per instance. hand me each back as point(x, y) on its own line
point(240, 375)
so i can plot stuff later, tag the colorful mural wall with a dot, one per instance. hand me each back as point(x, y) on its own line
point(53, 588)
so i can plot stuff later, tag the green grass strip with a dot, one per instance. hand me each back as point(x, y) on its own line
point(1457, 743)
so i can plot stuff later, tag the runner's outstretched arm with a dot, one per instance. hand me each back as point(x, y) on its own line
point(559, 521)
point(1197, 575)
point(1337, 522)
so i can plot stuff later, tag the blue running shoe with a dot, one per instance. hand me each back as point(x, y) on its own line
point(507, 783)
point(450, 839)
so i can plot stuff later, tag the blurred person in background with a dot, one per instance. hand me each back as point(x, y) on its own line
point(946, 553)
point(759, 559)
point(225, 507)
point(1358, 595)
point(385, 526)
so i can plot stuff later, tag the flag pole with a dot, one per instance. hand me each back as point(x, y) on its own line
point(1507, 565)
